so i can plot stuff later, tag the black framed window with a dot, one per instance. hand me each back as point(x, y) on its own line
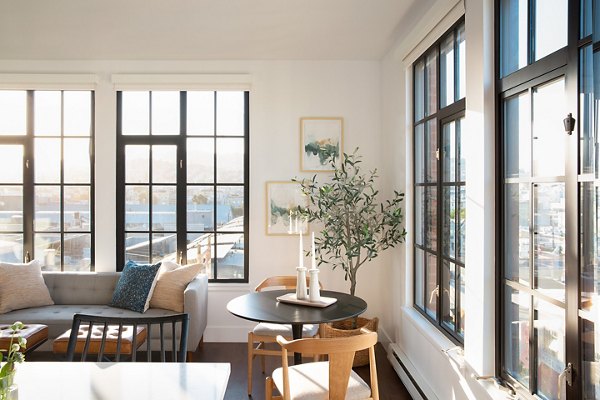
point(547, 254)
point(46, 178)
point(182, 179)
point(439, 182)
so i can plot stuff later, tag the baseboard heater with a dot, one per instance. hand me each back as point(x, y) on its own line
point(412, 380)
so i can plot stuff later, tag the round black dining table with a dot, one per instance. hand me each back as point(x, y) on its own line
point(264, 307)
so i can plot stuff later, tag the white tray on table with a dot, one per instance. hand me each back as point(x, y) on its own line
point(291, 298)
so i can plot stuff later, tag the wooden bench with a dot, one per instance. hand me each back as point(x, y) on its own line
point(35, 334)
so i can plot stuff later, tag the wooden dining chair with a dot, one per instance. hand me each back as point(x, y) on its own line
point(100, 336)
point(326, 379)
point(267, 332)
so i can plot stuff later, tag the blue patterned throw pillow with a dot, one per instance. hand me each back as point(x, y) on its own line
point(135, 286)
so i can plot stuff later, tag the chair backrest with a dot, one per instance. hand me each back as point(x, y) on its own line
point(340, 352)
point(285, 281)
point(116, 336)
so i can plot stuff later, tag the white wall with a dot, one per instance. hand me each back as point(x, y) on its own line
point(449, 372)
point(281, 93)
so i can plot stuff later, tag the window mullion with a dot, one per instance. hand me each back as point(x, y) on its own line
point(182, 180)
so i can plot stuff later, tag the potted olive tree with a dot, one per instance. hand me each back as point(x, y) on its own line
point(356, 226)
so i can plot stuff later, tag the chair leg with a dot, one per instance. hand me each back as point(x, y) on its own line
point(262, 363)
point(268, 388)
point(250, 358)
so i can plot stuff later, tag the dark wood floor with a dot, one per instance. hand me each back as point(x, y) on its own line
point(390, 386)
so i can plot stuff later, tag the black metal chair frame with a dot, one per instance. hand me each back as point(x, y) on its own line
point(178, 355)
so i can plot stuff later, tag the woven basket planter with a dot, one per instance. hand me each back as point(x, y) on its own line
point(344, 329)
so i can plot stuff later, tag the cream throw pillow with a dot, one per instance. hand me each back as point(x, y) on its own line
point(22, 286)
point(170, 284)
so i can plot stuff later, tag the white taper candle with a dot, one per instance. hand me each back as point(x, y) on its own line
point(312, 250)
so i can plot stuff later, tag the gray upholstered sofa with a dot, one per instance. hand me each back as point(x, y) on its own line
point(89, 293)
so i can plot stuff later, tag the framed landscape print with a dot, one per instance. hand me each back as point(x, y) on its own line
point(320, 137)
point(283, 199)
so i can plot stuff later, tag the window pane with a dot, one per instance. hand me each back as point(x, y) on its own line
point(11, 248)
point(513, 35)
point(137, 217)
point(230, 113)
point(462, 226)
point(550, 26)
point(431, 294)
point(420, 208)
point(585, 21)
point(200, 208)
point(230, 256)
point(516, 232)
point(164, 164)
point(13, 112)
point(230, 160)
point(462, 62)
point(164, 245)
point(419, 83)
point(47, 160)
point(11, 209)
point(431, 90)
point(431, 151)
point(591, 360)
point(431, 218)
point(449, 152)
point(46, 208)
point(135, 113)
point(462, 163)
point(419, 277)
point(77, 252)
point(200, 113)
point(137, 164)
point(447, 71)
point(77, 208)
point(200, 249)
point(449, 294)
point(549, 239)
point(419, 153)
point(78, 113)
point(47, 113)
point(11, 163)
point(449, 222)
point(47, 250)
point(165, 113)
point(550, 358)
point(587, 112)
point(462, 300)
point(517, 136)
point(590, 246)
point(548, 130)
point(517, 334)
point(76, 160)
point(200, 160)
point(230, 208)
point(164, 208)
point(137, 247)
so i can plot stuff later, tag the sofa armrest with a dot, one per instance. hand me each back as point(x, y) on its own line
point(195, 303)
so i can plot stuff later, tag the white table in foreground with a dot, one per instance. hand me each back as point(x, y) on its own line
point(125, 380)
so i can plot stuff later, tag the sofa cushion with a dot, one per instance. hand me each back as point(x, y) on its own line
point(59, 318)
point(81, 287)
point(170, 284)
point(135, 286)
point(22, 286)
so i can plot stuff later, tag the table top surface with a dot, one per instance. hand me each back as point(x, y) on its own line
point(264, 307)
point(141, 380)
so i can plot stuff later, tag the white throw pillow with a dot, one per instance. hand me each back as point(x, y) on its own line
point(22, 286)
point(170, 284)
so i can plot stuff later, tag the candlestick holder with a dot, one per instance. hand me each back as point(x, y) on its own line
point(301, 283)
point(314, 294)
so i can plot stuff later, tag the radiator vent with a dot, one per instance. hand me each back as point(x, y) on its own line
point(412, 380)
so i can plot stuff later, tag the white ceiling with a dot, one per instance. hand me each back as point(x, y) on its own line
point(204, 29)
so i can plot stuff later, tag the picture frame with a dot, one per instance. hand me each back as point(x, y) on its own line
point(317, 136)
point(282, 199)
